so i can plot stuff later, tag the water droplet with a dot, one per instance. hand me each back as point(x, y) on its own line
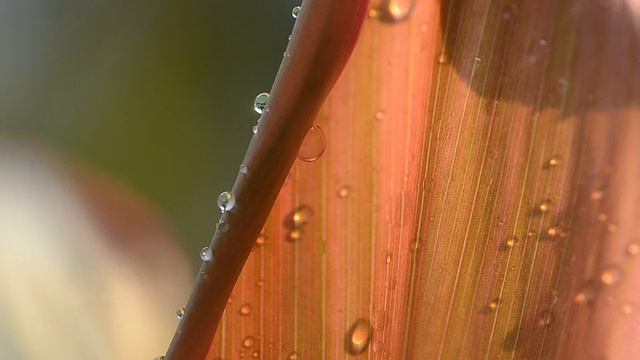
point(444, 58)
point(248, 341)
point(295, 12)
point(556, 231)
point(511, 242)
point(358, 337)
point(379, 115)
point(180, 313)
point(245, 309)
point(301, 216)
point(259, 283)
point(391, 11)
point(343, 192)
point(254, 129)
point(587, 293)
point(206, 253)
point(493, 305)
point(626, 308)
point(260, 103)
point(477, 59)
point(554, 161)
point(293, 356)
point(243, 169)
point(313, 145)
point(388, 259)
point(260, 239)
point(602, 217)
point(611, 275)
point(633, 249)
point(222, 226)
point(544, 206)
point(612, 228)
point(226, 201)
point(158, 358)
point(295, 235)
point(596, 195)
point(545, 318)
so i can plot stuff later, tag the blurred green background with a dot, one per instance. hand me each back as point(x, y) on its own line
point(156, 92)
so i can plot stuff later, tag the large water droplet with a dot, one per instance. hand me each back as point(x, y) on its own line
point(295, 12)
point(391, 11)
point(248, 341)
point(206, 253)
point(260, 103)
point(313, 145)
point(611, 275)
point(180, 313)
point(245, 309)
point(226, 201)
point(358, 337)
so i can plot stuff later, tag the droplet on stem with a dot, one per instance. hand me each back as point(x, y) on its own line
point(295, 12)
point(245, 309)
point(301, 216)
point(222, 226)
point(226, 201)
point(313, 145)
point(206, 253)
point(180, 313)
point(248, 342)
point(343, 192)
point(611, 275)
point(391, 11)
point(633, 248)
point(260, 103)
point(243, 169)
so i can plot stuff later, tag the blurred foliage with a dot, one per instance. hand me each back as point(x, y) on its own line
point(158, 92)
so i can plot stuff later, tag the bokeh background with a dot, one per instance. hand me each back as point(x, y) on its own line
point(157, 92)
point(154, 97)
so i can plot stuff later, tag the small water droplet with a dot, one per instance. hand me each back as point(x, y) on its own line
point(544, 206)
point(158, 358)
point(260, 239)
point(554, 161)
point(180, 313)
point(391, 11)
point(293, 356)
point(626, 308)
point(611, 275)
point(313, 145)
point(226, 201)
point(245, 309)
point(222, 226)
point(388, 259)
point(379, 115)
point(511, 242)
point(545, 318)
point(358, 337)
point(259, 283)
point(256, 354)
point(254, 129)
point(301, 216)
point(295, 235)
point(260, 103)
point(556, 231)
point(343, 192)
point(248, 341)
point(596, 195)
point(444, 58)
point(289, 38)
point(295, 12)
point(633, 249)
point(493, 305)
point(602, 217)
point(587, 293)
point(477, 59)
point(206, 253)
point(243, 169)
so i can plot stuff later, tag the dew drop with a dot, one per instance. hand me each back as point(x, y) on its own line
point(633, 249)
point(611, 275)
point(226, 201)
point(245, 309)
point(313, 145)
point(602, 217)
point(301, 216)
point(343, 192)
point(260, 239)
point(626, 308)
point(493, 305)
point(444, 58)
point(248, 341)
point(293, 356)
point(295, 235)
point(358, 337)
point(556, 231)
point(596, 195)
point(260, 103)
point(295, 12)
point(206, 253)
point(158, 358)
point(256, 354)
point(379, 115)
point(259, 283)
point(388, 259)
point(180, 313)
point(554, 161)
point(254, 129)
point(243, 169)
point(587, 293)
point(222, 226)
point(511, 242)
point(391, 11)
point(544, 206)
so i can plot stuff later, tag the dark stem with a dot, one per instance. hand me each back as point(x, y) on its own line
point(323, 39)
